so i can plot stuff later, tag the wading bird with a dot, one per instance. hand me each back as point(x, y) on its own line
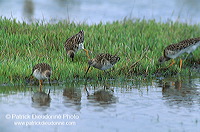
point(42, 71)
point(74, 44)
point(174, 50)
point(103, 61)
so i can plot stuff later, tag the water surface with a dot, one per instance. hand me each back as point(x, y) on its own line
point(160, 105)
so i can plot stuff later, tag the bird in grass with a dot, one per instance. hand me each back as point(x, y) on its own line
point(174, 50)
point(42, 71)
point(103, 61)
point(74, 44)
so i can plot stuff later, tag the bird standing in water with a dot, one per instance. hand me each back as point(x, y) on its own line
point(42, 71)
point(74, 44)
point(103, 61)
point(174, 50)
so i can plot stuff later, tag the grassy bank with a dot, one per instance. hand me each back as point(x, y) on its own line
point(139, 44)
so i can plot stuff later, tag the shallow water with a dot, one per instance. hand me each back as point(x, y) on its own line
point(94, 11)
point(159, 105)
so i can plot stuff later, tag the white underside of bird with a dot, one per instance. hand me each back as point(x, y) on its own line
point(188, 50)
point(107, 67)
point(38, 75)
point(80, 46)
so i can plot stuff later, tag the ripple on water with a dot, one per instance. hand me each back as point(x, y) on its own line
point(166, 105)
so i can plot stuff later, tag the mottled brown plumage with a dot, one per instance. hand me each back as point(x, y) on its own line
point(42, 67)
point(42, 71)
point(103, 61)
point(174, 50)
point(74, 44)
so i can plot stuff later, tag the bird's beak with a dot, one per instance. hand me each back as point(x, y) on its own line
point(87, 71)
point(49, 81)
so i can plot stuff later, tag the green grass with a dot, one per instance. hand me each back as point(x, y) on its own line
point(24, 45)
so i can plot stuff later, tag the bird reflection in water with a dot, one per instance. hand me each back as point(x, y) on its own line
point(72, 97)
point(73, 94)
point(41, 99)
point(103, 96)
point(179, 93)
point(171, 84)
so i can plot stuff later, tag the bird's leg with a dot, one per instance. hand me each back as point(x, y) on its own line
point(87, 53)
point(40, 82)
point(172, 63)
point(181, 62)
point(49, 81)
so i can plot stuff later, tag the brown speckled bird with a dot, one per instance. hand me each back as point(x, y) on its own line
point(174, 50)
point(42, 71)
point(74, 44)
point(103, 61)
